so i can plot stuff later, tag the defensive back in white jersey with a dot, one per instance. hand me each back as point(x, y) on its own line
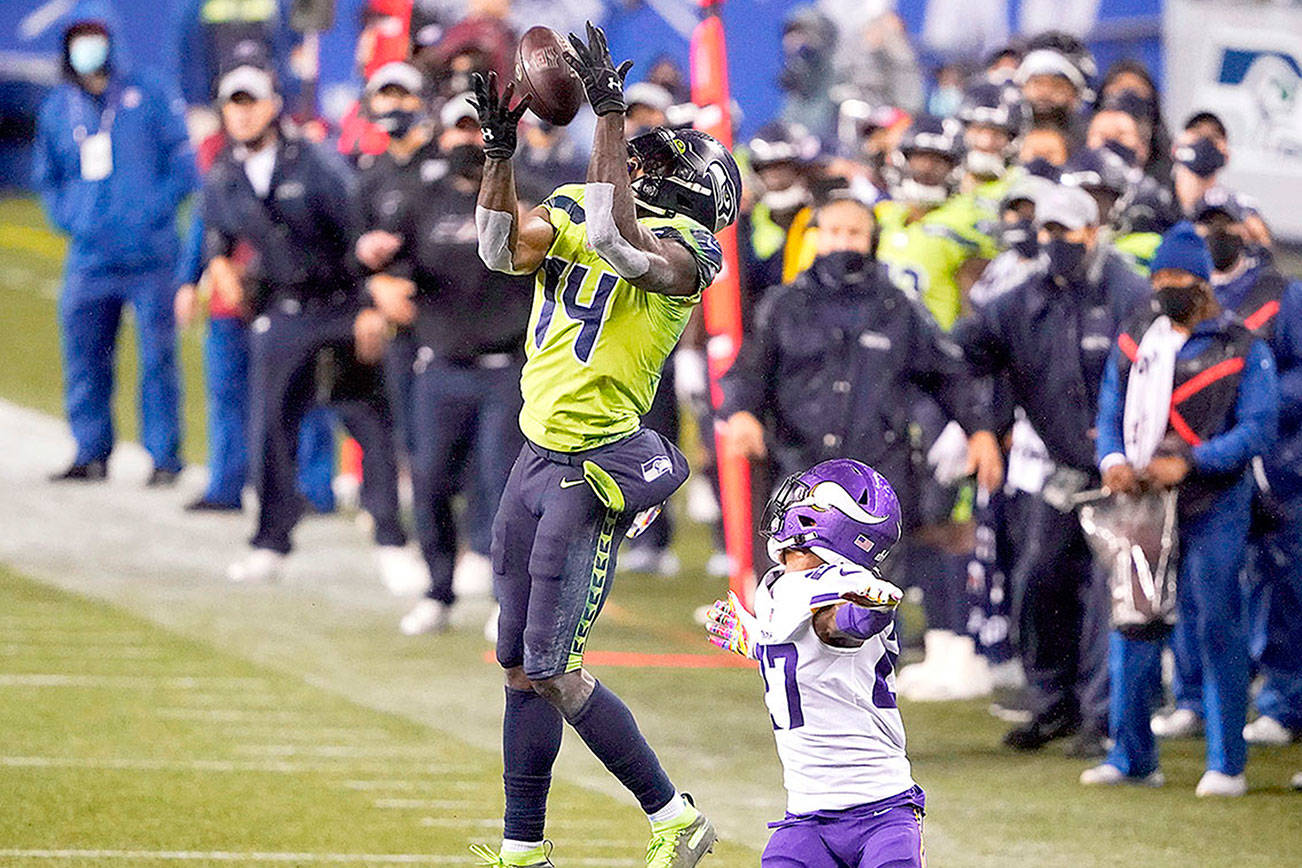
point(839, 733)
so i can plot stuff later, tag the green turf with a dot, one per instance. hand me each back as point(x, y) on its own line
point(987, 807)
point(31, 263)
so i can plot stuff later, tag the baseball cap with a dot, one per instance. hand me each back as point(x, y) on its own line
point(457, 109)
point(648, 94)
point(256, 82)
point(1046, 61)
point(1070, 207)
point(397, 74)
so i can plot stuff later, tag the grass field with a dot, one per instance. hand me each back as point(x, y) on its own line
point(150, 714)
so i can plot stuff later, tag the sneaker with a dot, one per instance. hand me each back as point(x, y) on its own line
point(1269, 731)
point(1177, 723)
point(1041, 731)
point(1296, 783)
point(473, 575)
point(402, 571)
point(682, 842)
point(537, 858)
point(91, 471)
point(1216, 784)
point(161, 477)
point(951, 670)
point(428, 616)
point(203, 504)
point(258, 567)
point(1106, 775)
point(1088, 744)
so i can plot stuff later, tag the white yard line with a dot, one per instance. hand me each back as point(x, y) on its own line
point(340, 751)
point(422, 804)
point(165, 682)
point(79, 652)
point(198, 765)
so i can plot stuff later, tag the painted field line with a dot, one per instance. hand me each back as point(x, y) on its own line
point(253, 729)
point(637, 660)
point(401, 785)
point(78, 652)
point(231, 715)
point(169, 682)
point(198, 765)
point(422, 804)
point(338, 751)
point(254, 856)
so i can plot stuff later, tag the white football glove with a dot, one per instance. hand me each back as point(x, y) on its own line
point(876, 593)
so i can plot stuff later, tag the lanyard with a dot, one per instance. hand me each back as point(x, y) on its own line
point(79, 132)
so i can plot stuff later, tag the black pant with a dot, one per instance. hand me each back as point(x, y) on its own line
point(296, 359)
point(1060, 615)
point(465, 416)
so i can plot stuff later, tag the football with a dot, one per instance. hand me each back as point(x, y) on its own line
point(541, 70)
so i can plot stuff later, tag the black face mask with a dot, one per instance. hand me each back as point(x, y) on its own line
point(1179, 302)
point(466, 161)
point(1066, 260)
point(1057, 115)
point(398, 122)
point(1225, 248)
point(1127, 155)
point(1021, 237)
point(835, 269)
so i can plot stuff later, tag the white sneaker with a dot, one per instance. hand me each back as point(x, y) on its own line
point(1218, 784)
point(1269, 731)
point(951, 670)
point(1178, 723)
point(473, 575)
point(1106, 775)
point(403, 571)
point(258, 567)
point(1296, 783)
point(490, 626)
point(428, 616)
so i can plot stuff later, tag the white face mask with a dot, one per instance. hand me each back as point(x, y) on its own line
point(88, 53)
point(786, 200)
point(984, 164)
point(912, 192)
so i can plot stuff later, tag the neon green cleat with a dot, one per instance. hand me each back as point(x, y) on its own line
point(539, 857)
point(683, 842)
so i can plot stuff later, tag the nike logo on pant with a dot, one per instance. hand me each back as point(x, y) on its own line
point(570, 483)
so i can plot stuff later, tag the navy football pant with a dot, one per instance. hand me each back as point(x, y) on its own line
point(286, 379)
point(1276, 612)
point(226, 374)
point(90, 312)
point(464, 417)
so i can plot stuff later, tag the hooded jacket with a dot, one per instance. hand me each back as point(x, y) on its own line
point(124, 222)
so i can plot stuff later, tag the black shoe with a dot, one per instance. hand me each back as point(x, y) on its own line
point(91, 471)
point(1089, 743)
point(1040, 732)
point(203, 504)
point(161, 478)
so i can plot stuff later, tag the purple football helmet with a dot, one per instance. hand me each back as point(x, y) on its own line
point(842, 510)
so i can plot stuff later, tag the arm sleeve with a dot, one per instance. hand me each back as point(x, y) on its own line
point(981, 339)
point(1112, 402)
point(189, 266)
point(862, 623)
point(1256, 415)
point(746, 385)
point(47, 173)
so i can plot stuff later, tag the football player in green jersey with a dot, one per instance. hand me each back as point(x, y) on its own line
point(620, 262)
point(933, 254)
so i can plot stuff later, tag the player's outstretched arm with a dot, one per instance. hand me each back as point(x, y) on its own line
point(506, 243)
point(633, 251)
point(865, 613)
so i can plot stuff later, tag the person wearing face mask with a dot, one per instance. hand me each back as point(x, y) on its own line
point(1050, 338)
point(828, 366)
point(1200, 153)
point(782, 156)
point(1129, 85)
point(277, 217)
point(1054, 87)
point(113, 163)
point(934, 252)
point(419, 245)
point(1269, 304)
point(1188, 397)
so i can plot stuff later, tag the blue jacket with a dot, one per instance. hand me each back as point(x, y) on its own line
point(1250, 431)
point(126, 221)
point(1284, 460)
point(1053, 345)
point(209, 33)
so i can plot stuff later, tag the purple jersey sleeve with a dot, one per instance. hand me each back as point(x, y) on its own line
point(862, 623)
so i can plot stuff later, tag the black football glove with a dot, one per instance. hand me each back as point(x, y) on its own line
point(603, 81)
point(496, 117)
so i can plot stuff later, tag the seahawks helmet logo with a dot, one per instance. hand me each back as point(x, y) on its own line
point(725, 195)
